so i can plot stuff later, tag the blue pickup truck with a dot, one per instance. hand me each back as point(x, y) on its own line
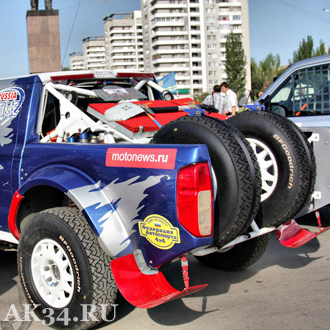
point(106, 178)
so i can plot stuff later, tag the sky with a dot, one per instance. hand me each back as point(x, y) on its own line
point(276, 26)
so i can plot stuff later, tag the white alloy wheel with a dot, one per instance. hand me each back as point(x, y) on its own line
point(52, 273)
point(268, 167)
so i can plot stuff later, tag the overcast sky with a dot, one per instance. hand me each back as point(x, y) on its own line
point(276, 26)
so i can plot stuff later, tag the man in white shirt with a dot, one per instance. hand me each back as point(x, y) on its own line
point(231, 106)
point(216, 99)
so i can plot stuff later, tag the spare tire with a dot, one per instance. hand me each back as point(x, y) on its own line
point(286, 161)
point(238, 180)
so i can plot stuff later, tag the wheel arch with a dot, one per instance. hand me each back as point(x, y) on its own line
point(45, 189)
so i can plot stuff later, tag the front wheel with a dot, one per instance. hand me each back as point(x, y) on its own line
point(63, 269)
point(238, 257)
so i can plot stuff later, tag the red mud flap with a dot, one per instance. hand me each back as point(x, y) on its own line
point(145, 290)
point(292, 235)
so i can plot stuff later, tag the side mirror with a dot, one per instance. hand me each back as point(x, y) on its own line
point(265, 100)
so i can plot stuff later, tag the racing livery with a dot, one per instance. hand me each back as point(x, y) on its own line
point(103, 183)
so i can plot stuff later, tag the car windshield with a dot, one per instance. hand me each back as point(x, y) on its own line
point(306, 92)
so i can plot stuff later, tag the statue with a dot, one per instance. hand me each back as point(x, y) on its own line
point(34, 4)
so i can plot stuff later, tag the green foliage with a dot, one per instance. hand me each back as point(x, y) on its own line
point(321, 50)
point(235, 64)
point(257, 78)
point(200, 97)
point(264, 74)
point(306, 50)
point(270, 67)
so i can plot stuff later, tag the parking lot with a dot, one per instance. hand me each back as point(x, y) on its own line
point(285, 289)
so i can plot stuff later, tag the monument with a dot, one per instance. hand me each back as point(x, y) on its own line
point(43, 38)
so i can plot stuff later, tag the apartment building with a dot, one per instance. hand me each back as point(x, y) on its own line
point(184, 36)
point(124, 41)
point(94, 53)
point(188, 37)
point(77, 61)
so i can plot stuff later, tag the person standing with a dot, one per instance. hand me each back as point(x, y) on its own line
point(231, 98)
point(216, 100)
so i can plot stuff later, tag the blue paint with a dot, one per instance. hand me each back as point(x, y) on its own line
point(27, 163)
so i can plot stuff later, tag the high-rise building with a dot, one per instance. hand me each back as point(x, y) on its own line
point(77, 61)
point(184, 36)
point(189, 36)
point(124, 41)
point(94, 53)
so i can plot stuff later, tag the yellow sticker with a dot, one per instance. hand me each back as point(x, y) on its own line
point(159, 231)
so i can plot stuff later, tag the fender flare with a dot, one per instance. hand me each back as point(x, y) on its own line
point(110, 226)
point(59, 177)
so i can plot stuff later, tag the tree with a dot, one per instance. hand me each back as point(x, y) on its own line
point(264, 74)
point(257, 78)
point(270, 67)
point(320, 50)
point(305, 50)
point(200, 97)
point(235, 64)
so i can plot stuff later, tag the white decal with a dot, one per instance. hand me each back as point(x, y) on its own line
point(6, 133)
point(11, 100)
point(124, 199)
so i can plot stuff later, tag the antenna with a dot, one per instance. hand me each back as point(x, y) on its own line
point(66, 49)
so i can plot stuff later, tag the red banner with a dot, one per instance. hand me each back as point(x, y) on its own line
point(141, 158)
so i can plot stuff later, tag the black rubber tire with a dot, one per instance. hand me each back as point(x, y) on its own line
point(311, 161)
point(239, 257)
point(93, 279)
point(294, 159)
point(236, 201)
point(253, 166)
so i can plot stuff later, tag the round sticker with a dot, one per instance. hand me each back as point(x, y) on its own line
point(159, 232)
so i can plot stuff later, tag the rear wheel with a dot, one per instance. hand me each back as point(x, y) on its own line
point(238, 182)
point(238, 257)
point(63, 269)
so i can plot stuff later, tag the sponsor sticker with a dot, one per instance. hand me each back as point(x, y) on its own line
point(159, 232)
point(11, 100)
point(105, 74)
point(141, 158)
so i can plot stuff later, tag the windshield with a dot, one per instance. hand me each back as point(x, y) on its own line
point(306, 92)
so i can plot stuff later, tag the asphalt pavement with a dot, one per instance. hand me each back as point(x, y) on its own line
point(286, 289)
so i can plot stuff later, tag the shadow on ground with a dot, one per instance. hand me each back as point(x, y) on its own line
point(219, 282)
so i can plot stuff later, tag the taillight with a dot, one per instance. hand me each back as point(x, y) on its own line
point(195, 199)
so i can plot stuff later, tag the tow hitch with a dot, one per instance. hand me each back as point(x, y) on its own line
point(147, 287)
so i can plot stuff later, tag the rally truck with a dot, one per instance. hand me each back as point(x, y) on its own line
point(106, 178)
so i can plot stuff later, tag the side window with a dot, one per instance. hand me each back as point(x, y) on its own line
point(305, 92)
point(52, 115)
point(281, 99)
